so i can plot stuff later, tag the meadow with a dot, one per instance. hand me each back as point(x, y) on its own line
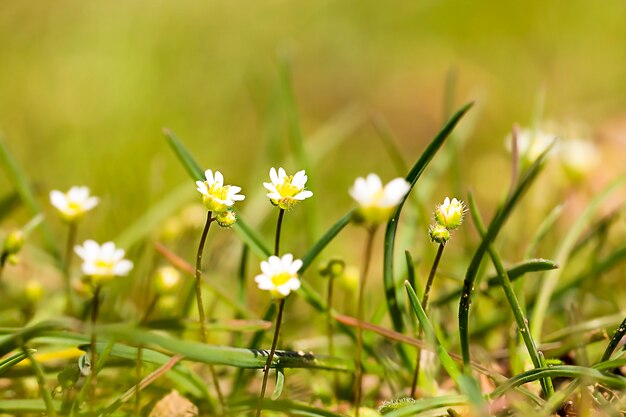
point(332, 210)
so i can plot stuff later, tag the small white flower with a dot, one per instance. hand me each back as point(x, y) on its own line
point(216, 196)
point(450, 213)
point(280, 275)
point(578, 157)
point(532, 143)
point(73, 204)
point(376, 203)
point(102, 263)
point(286, 190)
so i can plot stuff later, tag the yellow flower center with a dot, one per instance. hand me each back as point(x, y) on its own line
point(101, 263)
point(281, 279)
point(286, 189)
point(74, 206)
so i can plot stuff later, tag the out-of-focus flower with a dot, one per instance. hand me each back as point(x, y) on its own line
point(14, 242)
point(226, 218)
point(167, 280)
point(578, 157)
point(279, 275)
point(73, 205)
point(102, 263)
point(33, 291)
point(376, 203)
point(286, 190)
point(450, 213)
point(216, 196)
point(439, 234)
point(531, 143)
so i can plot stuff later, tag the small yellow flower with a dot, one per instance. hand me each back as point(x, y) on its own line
point(280, 275)
point(216, 196)
point(450, 213)
point(285, 191)
point(376, 203)
point(102, 263)
point(73, 205)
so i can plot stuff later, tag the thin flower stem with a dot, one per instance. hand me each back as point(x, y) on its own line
point(429, 283)
point(67, 263)
point(358, 366)
point(268, 364)
point(201, 315)
point(279, 225)
point(41, 381)
point(95, 307)
point(3, 261)
point(139, 370)
point(330, 320)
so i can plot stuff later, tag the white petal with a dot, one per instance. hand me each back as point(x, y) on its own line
point(123, 267)
point(303, 195)
point(209, 176)
point(270, 187)
point(284, 290)
point(267, 268)
point(91, 203)
point(275, 263)
point(281, 174)
point(295, 266)
point(219, 178)
point(394, 192)
point(286, 261)
point(293, 283)
point(273, 176)
point(274, 196)
point(107, 250)
point(58, 199)
point(373, 182)
point(263, 282)
point(299, 179)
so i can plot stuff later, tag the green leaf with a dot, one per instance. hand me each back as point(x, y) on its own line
point(392, 226)
point(16, 407)
point(319, 246)
point(22, 185)
point(426, 404)
point(6, 363)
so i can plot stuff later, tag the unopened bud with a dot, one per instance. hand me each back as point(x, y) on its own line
point(14, 242)
point(226, 218)
point(439, 234)
point(450, 213)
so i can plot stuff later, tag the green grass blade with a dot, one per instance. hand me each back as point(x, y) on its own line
point(426, 404)
point(390, 233)
point(551, 279)
point(617, 337)
point(494, 228)
point(6, 363)
point(23, 187)
point(41, 381)
point(19, 337)
point(8, 203)
point(560, 371)
point(18, 407)
point(505, 282)
point(286, 407)
point(515, 272)
point(467, 384)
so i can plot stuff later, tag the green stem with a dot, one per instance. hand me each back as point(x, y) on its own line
point(358, 365)
point(3, 261)
point(268, 364)
point(279, 225)
point(139, 370)
point(67, 262)
point(41, 380)
point(518, 313)
point(95, 307)
point(330, 321)
point(200, 303)
point(429, 283)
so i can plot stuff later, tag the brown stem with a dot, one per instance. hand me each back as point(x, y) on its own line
point(201, 314)
point(268, 364)
point(429, 284)
point(358, 368)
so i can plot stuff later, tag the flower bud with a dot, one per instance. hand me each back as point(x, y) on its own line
point(14, 242)
point(167, 280)
point(333, 268)
point(439, 234)
point(349, 280)
point(450, 213)
point(33, 291)
point(13, 259)
point(226, 218)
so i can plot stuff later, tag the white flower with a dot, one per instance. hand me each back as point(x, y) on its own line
point(578, 157)
point(102, 263)
point(532, 143)
point(73, 204)
point(286, 190)
point(280, 275)
point(450, 213)
point(376, 203)
point(216, 196)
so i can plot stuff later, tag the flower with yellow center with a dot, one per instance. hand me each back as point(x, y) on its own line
point(216, 196)
point(376, 203)
point(73, 204)
point(280, 275)
point(286, 190)
point(102, 263)
point(450, 213)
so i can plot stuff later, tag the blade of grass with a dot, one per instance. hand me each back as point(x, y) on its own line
point(41, 381)
point(8, 203)
point(551, 279)
point(426, 404)
point(20, 181)
point(496, 224)
point(287, 407)
point(520, 319)
point(390, 233)
point(466, 383)
point(515, 272)
point(18, 407)
point(6, 363)
point(617, 337)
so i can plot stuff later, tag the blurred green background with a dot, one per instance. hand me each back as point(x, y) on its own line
point(86, 87)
